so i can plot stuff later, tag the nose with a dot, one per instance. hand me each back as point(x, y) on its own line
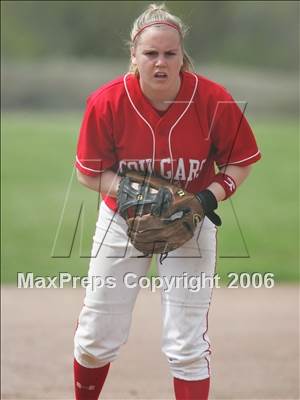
point(160, 61)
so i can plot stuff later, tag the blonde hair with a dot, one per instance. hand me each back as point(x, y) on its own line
point(156, 13)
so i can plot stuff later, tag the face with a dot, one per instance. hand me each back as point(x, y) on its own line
point(158, 56)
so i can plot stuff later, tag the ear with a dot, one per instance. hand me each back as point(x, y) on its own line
point(133, 57)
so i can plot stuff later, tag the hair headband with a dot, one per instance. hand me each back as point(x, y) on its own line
point(156, 23)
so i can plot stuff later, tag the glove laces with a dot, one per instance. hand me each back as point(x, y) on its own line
point(162, 257)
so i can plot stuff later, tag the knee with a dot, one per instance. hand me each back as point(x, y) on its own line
point(189, 366)
point(98, 337)
point(89, 360)
point(92, 353)
point(93, 350)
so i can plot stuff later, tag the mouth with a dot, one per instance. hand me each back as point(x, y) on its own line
point(160, 75)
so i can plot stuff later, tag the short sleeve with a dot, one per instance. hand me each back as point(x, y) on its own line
point(95, 147)
point(233, 140)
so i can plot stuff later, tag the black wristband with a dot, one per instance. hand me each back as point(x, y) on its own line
point(209, 204)
point(208, 200)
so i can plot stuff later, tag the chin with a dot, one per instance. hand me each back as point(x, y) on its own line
point(161, 82)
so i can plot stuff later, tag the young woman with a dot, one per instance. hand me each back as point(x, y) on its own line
point(164, 117)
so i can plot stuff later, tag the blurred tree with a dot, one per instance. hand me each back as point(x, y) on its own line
point(260, 33)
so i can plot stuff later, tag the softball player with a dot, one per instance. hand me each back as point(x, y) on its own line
point(163, 117)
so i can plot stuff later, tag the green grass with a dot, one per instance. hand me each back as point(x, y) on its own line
point(260, 225)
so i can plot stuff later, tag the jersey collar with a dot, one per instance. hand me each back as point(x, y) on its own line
point(145, 110)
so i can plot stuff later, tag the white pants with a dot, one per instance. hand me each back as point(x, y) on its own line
point(105, 319)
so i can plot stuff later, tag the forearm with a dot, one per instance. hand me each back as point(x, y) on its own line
point(107, 182)
point(239, 174)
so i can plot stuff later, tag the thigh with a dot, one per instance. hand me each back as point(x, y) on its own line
point(196, 258)
point(104, 321)
point(112, 258)
point(105, 318)
point(185, 303)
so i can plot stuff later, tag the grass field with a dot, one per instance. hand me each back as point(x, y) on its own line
point(260, 224)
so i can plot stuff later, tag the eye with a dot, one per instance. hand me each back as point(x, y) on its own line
point(150, 53)
point(170, 53)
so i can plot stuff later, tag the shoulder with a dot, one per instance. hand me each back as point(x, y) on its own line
point(208, 88)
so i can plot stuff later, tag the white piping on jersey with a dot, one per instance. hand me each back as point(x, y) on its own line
point(140, 115)
point(89, 169)
point(179, 118)
point(240, 161)
point(172, 127)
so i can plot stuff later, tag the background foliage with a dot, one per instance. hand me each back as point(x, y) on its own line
point(234, 32)
point(55, 53)
point(38, 180)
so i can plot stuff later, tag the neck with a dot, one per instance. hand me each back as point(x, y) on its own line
point(161, 99)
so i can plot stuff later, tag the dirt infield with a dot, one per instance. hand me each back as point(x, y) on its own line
point(254, 335)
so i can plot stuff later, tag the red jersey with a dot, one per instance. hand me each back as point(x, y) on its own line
point(202, 128)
